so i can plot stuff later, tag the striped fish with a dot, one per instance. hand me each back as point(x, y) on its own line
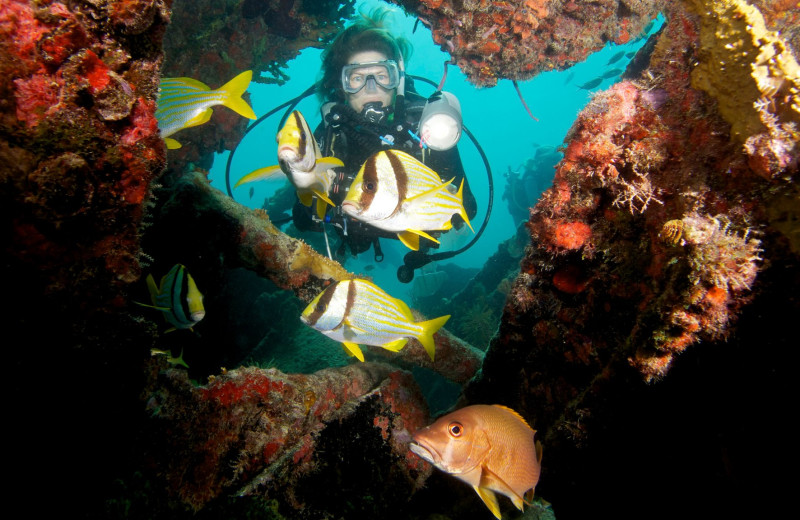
point(186, 102)
point(300, 159)
point(357, 312)
point(395, 192)
point(178, 298)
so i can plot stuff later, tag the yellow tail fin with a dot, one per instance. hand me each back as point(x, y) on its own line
point(429, 328)
point(235, 88)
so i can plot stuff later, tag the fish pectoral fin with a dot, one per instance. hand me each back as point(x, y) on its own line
point(422, 234)
point(528, 498)
point(156, 307)
point(489, 479)
point(490, 499)
point(353, 349)
point(397, 345)
point(171, 143)
point(410, 240)
point(199, 119)
point(329, 162)
point(324, 197)
point(351, 329)
point(259, 174)
point(152, 288)
point(306, 198)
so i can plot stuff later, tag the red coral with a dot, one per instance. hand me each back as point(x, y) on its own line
point(18, 25)
point(571, 235)
point(37, 97)
point(96, 72)
point(133, 16)
point(144, 122)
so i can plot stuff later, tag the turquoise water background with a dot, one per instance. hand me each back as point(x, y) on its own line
point(495, 116)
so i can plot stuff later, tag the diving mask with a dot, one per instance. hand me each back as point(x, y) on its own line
point(385, 74)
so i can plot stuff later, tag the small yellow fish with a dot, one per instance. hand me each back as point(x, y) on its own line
point(186, 102)
point(299, 157)
point(178, 298)
point(489, 447)
point(357, 312)
point(174, 361)
point(395, 192)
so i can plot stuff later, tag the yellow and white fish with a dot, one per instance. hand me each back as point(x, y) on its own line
point(357, 312)
point(186, 102)
point(300, 159)
point(490, 447)
point(395, 192)
point(178, 298)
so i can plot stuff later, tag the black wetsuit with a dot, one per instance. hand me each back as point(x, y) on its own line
point(348, 136)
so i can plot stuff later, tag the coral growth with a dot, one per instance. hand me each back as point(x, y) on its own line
point(516, 40)
point(720, 266)
point(650, 240)
point(84, 111)
point(79, 150)
point(256, 432)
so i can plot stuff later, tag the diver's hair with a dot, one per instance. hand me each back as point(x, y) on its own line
point(367, 34)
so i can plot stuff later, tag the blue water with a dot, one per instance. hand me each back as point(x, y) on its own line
point(495, 116)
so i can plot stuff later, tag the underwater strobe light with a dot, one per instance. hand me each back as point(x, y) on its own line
point(440, 124)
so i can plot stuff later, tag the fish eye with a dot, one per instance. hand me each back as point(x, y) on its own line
point(368, 186)
point(455, 429)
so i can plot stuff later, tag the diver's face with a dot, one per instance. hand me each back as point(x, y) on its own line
point(369, 93)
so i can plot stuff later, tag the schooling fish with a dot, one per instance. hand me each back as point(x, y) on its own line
point(300, 159)
point(489, 447)
point(618, 56)
point(591, 84)
point(611, 73)
point(178, 298)
point(357, 312)
point(186, 102)
point(395, 192)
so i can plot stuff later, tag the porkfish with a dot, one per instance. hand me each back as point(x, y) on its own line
point(357, 312)
point(186, 102)
point(490, 447)
point(395, 192)
point(299, 157)
point(177, 297)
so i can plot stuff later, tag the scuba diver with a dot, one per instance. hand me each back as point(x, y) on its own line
point(523, 188)
point(369, 105)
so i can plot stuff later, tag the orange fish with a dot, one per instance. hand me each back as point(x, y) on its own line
point(487, 446)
